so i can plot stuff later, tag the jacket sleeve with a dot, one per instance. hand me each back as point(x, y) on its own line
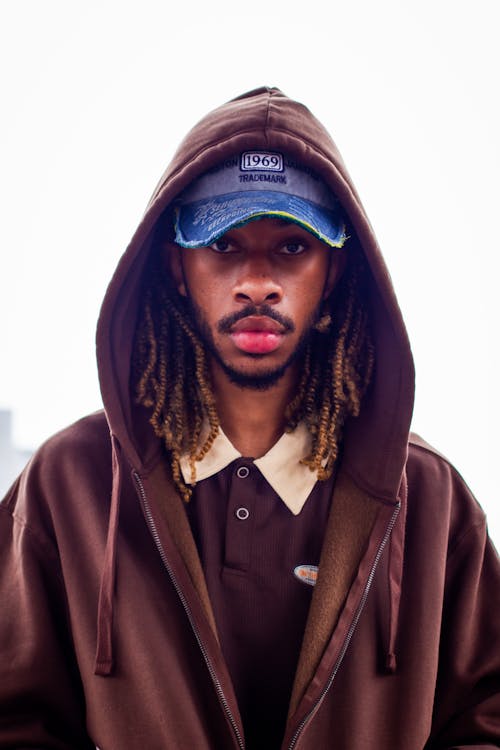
point(467, 706)
point(41, 698)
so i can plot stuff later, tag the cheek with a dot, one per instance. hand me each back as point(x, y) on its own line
point(309, 291)
point(207, 301)
point(202, 286)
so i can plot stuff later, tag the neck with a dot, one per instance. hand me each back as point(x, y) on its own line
point(253, 420)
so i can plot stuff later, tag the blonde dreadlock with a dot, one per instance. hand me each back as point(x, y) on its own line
point(171, 375)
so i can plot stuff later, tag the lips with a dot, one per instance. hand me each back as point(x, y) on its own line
point(257, 334)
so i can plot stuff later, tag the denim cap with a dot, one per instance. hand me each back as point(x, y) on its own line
point(252, 185)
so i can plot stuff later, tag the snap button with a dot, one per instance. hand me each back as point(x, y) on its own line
point(242, 514)
point(243, 472)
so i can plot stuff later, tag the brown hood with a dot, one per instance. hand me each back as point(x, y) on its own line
point(375, 444)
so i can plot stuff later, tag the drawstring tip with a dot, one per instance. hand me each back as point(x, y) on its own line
point(103, 668)
point(390, 663)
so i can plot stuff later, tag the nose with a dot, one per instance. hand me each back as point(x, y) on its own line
point(257, 285)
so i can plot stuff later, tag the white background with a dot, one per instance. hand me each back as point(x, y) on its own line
point(97, 95)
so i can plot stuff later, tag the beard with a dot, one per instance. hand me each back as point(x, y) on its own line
point(265, 379)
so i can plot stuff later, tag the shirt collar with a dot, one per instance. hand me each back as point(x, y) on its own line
point(280, 466)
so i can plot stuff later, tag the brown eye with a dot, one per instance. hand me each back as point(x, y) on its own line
point(221, 246)
point(293, 248)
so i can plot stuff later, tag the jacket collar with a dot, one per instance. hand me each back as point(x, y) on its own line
point(281, 466)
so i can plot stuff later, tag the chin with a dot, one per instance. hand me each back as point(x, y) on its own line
point(261, 380)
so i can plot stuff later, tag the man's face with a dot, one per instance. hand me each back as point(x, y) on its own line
point(255, 293)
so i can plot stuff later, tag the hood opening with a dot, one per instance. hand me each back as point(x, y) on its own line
point(375, 443)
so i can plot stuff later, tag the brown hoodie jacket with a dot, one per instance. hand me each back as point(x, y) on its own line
point(106, 631)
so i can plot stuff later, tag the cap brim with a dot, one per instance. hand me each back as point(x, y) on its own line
point(199, 224)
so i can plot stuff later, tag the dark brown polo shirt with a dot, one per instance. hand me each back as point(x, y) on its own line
point(256, 555)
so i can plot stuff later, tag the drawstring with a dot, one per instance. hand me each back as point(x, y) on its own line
point(395, 576)
point(104, 652)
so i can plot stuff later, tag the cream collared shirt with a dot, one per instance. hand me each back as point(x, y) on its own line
point(280, 466)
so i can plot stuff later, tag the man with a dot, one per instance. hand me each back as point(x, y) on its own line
point(247, 549)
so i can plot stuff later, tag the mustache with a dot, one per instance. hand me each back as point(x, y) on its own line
point(227, 322)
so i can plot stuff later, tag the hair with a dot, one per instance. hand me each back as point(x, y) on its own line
point(171, 375)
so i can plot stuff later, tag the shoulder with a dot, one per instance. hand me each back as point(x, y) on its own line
point(91, 433)
point(437, 493)
point(428, 466)
point(79, 444)
point(73, 464)
point(420, 447)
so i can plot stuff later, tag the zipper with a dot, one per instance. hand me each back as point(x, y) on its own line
point(350, 632)
point(156, 537)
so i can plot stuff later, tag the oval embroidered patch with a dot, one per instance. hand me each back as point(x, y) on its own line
point(307, 574)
